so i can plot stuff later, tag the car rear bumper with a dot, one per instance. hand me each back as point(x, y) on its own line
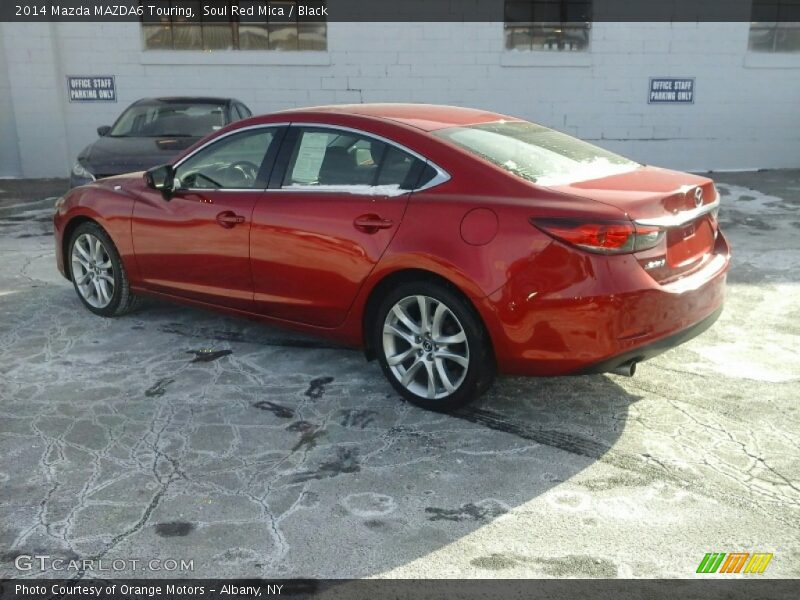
point(652, 349)
point(606, 313)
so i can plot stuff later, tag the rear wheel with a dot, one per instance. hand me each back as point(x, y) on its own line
point(432, 347)
point(97, 272)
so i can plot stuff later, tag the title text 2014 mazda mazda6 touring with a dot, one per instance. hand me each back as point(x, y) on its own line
point(450, 243)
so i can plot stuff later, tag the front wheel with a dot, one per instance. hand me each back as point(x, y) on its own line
point(432, 346)
point(98, 273)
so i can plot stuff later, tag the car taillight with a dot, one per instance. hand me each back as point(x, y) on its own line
point(604, 237)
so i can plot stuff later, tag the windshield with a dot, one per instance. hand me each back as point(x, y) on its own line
point(537, 153)
point(173, 120)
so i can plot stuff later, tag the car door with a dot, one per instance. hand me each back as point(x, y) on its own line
point(335, 201)
point(194, 243)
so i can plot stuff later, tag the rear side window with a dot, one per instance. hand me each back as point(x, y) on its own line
point(395, 167)
point(426, 174)
point(537, 153)
point(334, 160)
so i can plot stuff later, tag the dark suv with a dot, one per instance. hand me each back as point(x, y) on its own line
point(151, 132)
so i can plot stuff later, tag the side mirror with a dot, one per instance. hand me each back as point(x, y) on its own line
point(161, 178)
point(103, 130)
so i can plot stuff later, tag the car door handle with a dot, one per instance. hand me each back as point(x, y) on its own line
point(372, 223)
point(228, 219)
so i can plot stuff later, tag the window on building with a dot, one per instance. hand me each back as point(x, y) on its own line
point(244, 25)
point(775, 26)
point(547, 24)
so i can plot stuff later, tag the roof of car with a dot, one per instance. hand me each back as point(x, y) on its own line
point(428, 117)
point(185, 100)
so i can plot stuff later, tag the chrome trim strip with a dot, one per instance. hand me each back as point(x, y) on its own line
point(199, 190)
point(313, 189)
point(441, 176)
point(681, 218)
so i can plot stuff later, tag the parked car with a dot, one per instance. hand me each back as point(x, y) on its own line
point(153, 131)
point(449, 243)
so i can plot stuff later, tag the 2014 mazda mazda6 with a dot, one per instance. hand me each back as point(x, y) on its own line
point(449, 243)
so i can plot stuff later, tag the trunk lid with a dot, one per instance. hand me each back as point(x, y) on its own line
point(680, 204)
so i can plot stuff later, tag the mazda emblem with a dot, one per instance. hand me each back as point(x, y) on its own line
point(698, 197)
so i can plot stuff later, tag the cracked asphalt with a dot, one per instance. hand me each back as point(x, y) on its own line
point(254, 452)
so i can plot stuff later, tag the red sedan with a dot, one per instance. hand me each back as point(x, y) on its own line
point(449, 243)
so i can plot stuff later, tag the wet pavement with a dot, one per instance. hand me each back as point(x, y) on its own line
point(248, 451)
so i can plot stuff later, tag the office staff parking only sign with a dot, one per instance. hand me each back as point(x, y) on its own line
point(669, 90)
point(91, 88)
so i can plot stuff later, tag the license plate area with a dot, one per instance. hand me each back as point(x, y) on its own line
point(690, 242)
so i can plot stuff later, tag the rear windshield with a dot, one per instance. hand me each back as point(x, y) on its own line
point(172, 119)
point(537, 153)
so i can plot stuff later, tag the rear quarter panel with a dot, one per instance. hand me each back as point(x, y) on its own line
point(431, 238)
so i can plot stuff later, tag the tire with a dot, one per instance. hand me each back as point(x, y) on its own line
point(450, 347)
point(97, 272)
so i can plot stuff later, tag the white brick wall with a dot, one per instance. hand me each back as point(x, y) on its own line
point(745, 113)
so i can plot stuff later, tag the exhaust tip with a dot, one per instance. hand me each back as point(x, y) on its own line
point(628, 369)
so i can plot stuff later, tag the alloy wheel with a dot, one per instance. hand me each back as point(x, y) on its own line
point(425, 346)
point(92, 270)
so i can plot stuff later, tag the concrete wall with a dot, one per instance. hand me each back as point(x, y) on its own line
point(745, 113)
point(9, 144)
point(38, 97)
